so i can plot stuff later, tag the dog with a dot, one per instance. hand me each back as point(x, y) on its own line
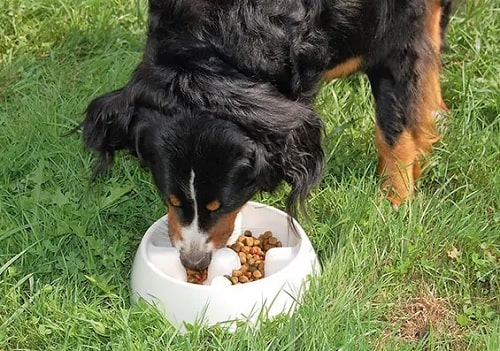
point(220, 107)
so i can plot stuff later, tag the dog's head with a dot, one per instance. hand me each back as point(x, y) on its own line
point(208, 163)
point(206, 169)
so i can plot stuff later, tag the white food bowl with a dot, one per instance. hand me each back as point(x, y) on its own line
point(159, 278)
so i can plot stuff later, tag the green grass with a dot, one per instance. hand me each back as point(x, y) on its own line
point(66, 247)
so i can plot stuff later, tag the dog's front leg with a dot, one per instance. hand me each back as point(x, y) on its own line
point(407, 93)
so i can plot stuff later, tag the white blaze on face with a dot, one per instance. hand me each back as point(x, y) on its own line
point(192, 236)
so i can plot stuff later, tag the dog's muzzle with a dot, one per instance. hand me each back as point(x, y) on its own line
point(194, 259)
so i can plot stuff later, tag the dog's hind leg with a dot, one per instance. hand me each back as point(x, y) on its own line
point(407, 93)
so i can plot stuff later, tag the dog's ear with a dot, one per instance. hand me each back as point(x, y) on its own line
point(145, 134)
point(264, 171)
point(288, 135)
point(298, 157)
point(303, 155)
point(106, 127)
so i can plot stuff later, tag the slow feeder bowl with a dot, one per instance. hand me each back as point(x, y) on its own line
point(159, 278)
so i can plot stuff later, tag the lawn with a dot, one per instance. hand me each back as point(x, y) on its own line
point(422, 278)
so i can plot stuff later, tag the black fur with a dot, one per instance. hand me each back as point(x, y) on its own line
point(225, 87)
point(446, 6)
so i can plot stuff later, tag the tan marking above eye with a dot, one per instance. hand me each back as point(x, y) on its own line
point(213, 206)
point(174, 200)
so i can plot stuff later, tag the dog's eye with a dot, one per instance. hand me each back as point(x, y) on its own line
point(213, 206)
point(174, 201)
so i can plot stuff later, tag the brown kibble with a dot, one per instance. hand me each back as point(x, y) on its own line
point(237, 246)
point(267, 234)
point(249, 241)
point(251, 252)
point(261, 267)
point(196, 277)
point(243, 257)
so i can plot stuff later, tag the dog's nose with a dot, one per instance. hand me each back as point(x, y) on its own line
point(197, 260)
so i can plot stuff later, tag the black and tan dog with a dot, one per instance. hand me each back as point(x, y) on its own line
point(220, 106)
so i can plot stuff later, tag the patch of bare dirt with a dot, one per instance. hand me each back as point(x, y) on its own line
point(413, 319)
point(417, 315)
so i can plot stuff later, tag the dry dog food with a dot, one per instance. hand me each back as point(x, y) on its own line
point(252, 252)
point(196, 277)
